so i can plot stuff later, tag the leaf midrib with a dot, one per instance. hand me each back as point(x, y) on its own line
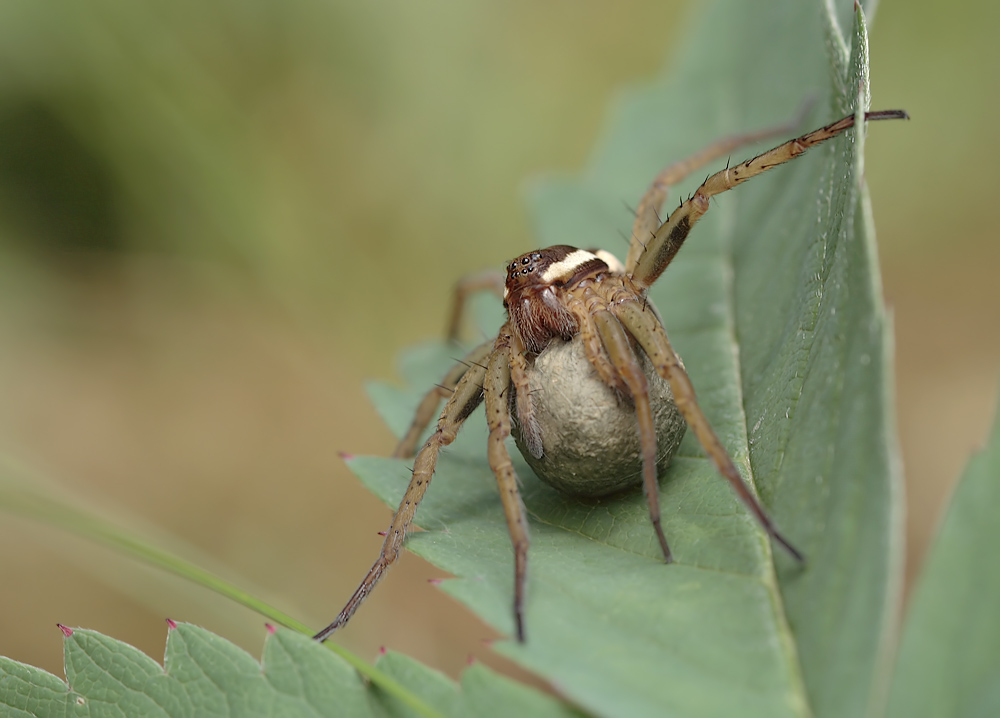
point(769, 577)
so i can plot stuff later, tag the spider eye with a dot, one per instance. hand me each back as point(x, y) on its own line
point(525, 260)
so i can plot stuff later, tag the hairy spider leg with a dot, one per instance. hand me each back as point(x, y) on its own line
point(491, 280)
point(468, 394)
point(593, 348)
point(652, 337)
point(429, 404)
point(626, 363)
point(669, 237)
point(647, 213)
point(498, 420)
point(531, 433)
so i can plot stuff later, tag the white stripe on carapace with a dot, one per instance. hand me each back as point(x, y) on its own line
point(614, 264)
point(565, 268)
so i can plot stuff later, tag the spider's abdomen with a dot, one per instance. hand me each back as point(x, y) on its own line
point(589, 433)
point(533, 286)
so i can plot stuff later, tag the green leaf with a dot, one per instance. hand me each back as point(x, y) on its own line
point(775, 306)
point(205, 675)
point(949, 658)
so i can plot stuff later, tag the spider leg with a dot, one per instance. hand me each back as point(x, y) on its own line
point(531, 434)
point(593, 347)
point(489, 280)
point(652, 337)
point(647, 214)
point(432, 399)
point(659, 251)
point(464, 399)
point(620, 352)
point(497, 381)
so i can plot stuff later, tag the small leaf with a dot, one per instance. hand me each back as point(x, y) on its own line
point(949, 658)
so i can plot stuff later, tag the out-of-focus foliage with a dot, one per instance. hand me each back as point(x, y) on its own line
point(949, 656)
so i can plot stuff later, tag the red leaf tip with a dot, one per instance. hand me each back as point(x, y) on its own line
point(435, 581)
point(67, 631)
point(345, 456)
point(171, 624)
point(471, 660)
point(270, 628)
point(382, 533)
point(381, 650)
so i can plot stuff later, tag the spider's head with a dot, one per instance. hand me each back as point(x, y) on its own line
point(531, 291)
point(557, 266)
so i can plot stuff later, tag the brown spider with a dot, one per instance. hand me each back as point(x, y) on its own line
point(561, 292)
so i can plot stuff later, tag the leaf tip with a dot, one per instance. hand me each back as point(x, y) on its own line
point(345, 456)
point(271, 630)
point(67, 631)
point(435, 581)
point(381, 651)
point(171, 624)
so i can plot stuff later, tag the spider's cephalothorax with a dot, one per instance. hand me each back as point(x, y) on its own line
point(534, 286)
point(588, 297)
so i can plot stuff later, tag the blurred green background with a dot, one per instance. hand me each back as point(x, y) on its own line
point(217, 220)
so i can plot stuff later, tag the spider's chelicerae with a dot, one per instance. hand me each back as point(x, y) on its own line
point(563, 292)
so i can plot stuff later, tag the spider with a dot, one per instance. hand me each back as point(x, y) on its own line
point(563, 292)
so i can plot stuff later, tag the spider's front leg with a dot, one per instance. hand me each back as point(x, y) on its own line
point(652, 337)
point(647, 213)
point(467, 395)
point(626, 364)
point(662, 247)
point(495, 387)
